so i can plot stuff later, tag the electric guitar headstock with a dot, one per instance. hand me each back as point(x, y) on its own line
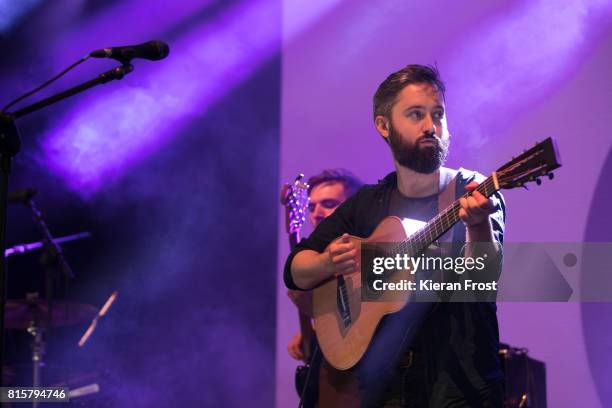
point(539, 161)
point(295, 199)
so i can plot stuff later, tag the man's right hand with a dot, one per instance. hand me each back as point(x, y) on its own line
point(295, 347)
point(342, 257)
point(309, 268)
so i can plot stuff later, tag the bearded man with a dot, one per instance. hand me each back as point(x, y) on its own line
point(451, 359)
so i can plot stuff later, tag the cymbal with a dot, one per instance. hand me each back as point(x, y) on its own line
point(55, 375)
point(19, 314)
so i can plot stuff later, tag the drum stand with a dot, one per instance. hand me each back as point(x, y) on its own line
point(38, 342)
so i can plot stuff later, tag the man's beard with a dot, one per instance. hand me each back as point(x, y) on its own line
point(422, 159)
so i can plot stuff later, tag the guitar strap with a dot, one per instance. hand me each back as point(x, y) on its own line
point(448, 188)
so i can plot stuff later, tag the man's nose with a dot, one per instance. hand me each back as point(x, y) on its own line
point(318, 211)
point(429, 126)
point(317, 215)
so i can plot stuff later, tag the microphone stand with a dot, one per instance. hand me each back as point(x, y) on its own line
point(10, 144)
point(50, 244)
point(53, 261)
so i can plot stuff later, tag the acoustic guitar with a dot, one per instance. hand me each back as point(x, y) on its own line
point(345, 324)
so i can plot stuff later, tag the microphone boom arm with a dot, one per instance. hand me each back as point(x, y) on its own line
point(110, 75)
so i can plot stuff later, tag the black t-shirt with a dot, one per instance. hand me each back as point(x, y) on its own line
point(460, 341)
point(416, 208)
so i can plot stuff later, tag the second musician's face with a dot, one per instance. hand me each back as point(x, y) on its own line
point(417, 132)
point(324, 199)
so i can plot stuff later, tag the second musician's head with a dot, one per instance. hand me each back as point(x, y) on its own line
point(328, 190)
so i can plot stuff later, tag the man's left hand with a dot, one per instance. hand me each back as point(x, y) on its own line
point(475, 209)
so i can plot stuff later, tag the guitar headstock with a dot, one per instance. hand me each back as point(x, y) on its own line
point(295, 199)
point(530, 165)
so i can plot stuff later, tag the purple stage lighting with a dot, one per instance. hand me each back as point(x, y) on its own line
point(514, 61)
point(102, 137)
point(11, 11)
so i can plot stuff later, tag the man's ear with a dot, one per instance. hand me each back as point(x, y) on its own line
point(382, 126)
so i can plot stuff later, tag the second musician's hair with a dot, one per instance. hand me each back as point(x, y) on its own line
point(349, 180)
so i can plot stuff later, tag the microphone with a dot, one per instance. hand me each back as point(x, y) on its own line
point(151, 50)
point(22, 196)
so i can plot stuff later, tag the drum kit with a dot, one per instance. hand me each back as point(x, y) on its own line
point(37, 315)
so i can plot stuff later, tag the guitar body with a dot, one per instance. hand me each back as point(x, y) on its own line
point(344, 345)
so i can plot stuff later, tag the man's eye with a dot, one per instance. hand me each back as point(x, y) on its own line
point(416, 115)
point(311, 207)
point(329, 203)
point(437, 116)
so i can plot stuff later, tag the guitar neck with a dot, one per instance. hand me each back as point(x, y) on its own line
point(445, 220)
point(295, 199)
point(307, 335)
point(305, 324)
point(294, 238)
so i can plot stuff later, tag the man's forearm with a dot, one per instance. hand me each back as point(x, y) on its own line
point(477, 238)
point(480, 243)
point(309, 268)
point(482, 232)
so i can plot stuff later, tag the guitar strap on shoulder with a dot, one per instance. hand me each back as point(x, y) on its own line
point(448, 187)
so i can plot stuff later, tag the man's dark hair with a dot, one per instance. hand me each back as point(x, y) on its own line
point(349, 180)
point(387, 91)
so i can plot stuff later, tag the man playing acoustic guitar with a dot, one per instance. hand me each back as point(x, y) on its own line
point(452, 359)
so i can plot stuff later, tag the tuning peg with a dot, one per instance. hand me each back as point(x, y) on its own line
point(538, 181)
point(551, 176)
